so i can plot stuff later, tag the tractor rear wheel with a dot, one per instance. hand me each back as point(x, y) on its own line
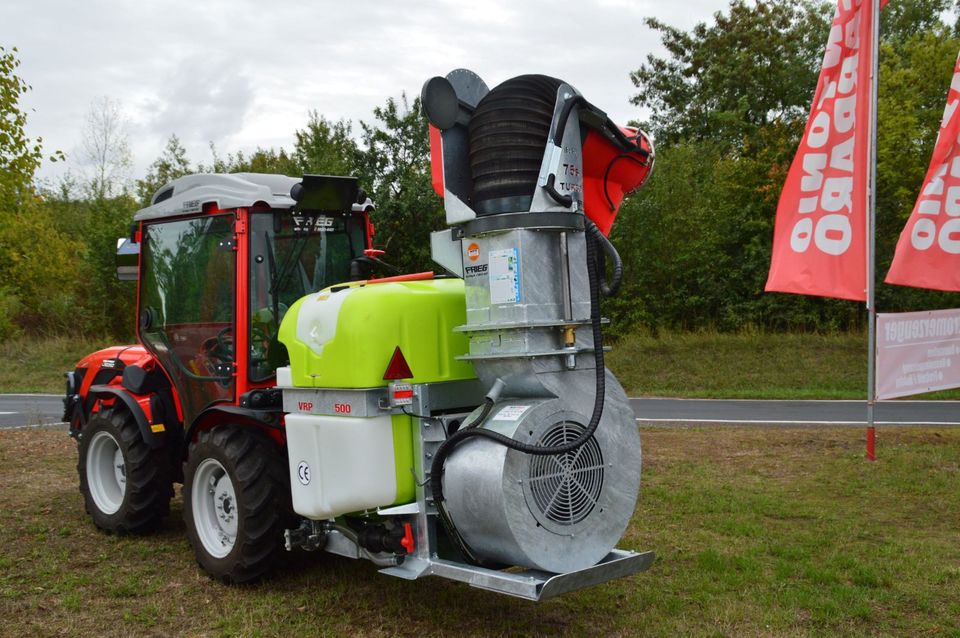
point(126, 485)
point(235, 501)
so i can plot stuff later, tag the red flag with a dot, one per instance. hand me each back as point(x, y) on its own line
point(819, 242)
point(928, 253)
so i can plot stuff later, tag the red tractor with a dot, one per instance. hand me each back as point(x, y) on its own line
point(221, 258)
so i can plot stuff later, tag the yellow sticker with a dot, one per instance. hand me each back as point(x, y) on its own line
point(158, 427)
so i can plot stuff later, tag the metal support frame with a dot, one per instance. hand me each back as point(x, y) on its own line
point(434, 408)
point(429, 401)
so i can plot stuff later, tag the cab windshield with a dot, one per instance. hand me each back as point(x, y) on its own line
point(292, 255)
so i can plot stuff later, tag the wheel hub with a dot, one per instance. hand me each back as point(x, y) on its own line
point(119, 469)
point(106, 472)
point(224, 498)
point(214, 503)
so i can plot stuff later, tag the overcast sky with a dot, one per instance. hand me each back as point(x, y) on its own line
point(244, 74)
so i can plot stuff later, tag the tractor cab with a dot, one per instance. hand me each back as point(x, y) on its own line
point(222, 258)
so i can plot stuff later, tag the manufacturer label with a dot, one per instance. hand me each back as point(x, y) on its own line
point(504, 276)
point(473, 271)
point(303, 473)
point(511, 412)
point(312, 224)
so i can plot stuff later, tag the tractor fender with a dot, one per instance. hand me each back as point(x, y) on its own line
point(215, 415)
point(142, 423)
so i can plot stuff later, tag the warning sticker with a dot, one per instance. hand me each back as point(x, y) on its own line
point(504, 276)
point(511, 412)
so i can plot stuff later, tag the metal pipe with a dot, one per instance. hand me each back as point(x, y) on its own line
point(363, 552)
point(565, 278)
point(871, 232)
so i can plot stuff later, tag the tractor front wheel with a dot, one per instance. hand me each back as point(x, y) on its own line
point(235, 496)
point(126, 484)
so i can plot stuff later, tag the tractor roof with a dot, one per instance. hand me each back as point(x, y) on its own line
point(188, 194)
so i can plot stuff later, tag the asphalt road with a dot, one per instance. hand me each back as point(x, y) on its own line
point(20, 410)
point(30, 409)
point(792, 413)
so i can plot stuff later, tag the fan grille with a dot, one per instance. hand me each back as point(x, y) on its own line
point(566, 487)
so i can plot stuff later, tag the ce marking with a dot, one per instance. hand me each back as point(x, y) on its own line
point(303, 473)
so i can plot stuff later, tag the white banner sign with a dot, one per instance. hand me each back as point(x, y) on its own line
point(917, 352)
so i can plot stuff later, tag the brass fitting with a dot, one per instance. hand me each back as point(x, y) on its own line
point(569, 336)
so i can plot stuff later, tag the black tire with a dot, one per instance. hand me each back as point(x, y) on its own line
point(236, 529)
point(132, 498)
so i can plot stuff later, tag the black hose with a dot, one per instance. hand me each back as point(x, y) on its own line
point(568, 105)
point(625, 155)
point(480, 418)
point(563, 200)
point(436, 468)
point(610, 251)
point(550, 187)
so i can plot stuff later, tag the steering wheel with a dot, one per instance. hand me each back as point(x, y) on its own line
point(221, 347)
point(257, 334)
point(259, 344)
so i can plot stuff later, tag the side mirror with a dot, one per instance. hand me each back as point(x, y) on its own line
point(361, 268)
point(128, 259)
point(148, 317)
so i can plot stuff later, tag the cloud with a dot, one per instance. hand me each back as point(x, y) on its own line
point(242, 74)
point(206, 97)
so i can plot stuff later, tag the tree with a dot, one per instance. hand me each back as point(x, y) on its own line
point(395, 167)
point(757, 64)
point(325, 147)
point(33, 255)
point(901, 19)
point(171, 164)
point(915, 74)
point(20, 156)
point(260, 161)
point(105, 150)
point(322, 148)
point(729, 101)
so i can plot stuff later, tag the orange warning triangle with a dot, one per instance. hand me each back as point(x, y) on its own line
point(398, 367)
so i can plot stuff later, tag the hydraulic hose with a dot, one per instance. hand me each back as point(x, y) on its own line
point(610, 251)
point(568, 105)
point(627, 155)
point(440, 456)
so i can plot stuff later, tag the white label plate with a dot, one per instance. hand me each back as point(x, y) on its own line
point(511, 412)
point(504, 276)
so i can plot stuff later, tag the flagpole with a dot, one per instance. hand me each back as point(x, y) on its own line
point(871, 236)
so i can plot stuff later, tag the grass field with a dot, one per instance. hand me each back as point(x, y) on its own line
point(759, 532)
point(37, 365)
point(750, 366)
point(755, 366)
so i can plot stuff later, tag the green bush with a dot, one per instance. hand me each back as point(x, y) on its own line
point(9, 309)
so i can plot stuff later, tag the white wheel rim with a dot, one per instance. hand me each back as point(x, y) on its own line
point(106, 472)
point(214, 503)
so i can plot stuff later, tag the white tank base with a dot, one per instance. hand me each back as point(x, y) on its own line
point(340, 464)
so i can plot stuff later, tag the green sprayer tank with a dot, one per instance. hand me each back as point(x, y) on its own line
point(341, 342)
